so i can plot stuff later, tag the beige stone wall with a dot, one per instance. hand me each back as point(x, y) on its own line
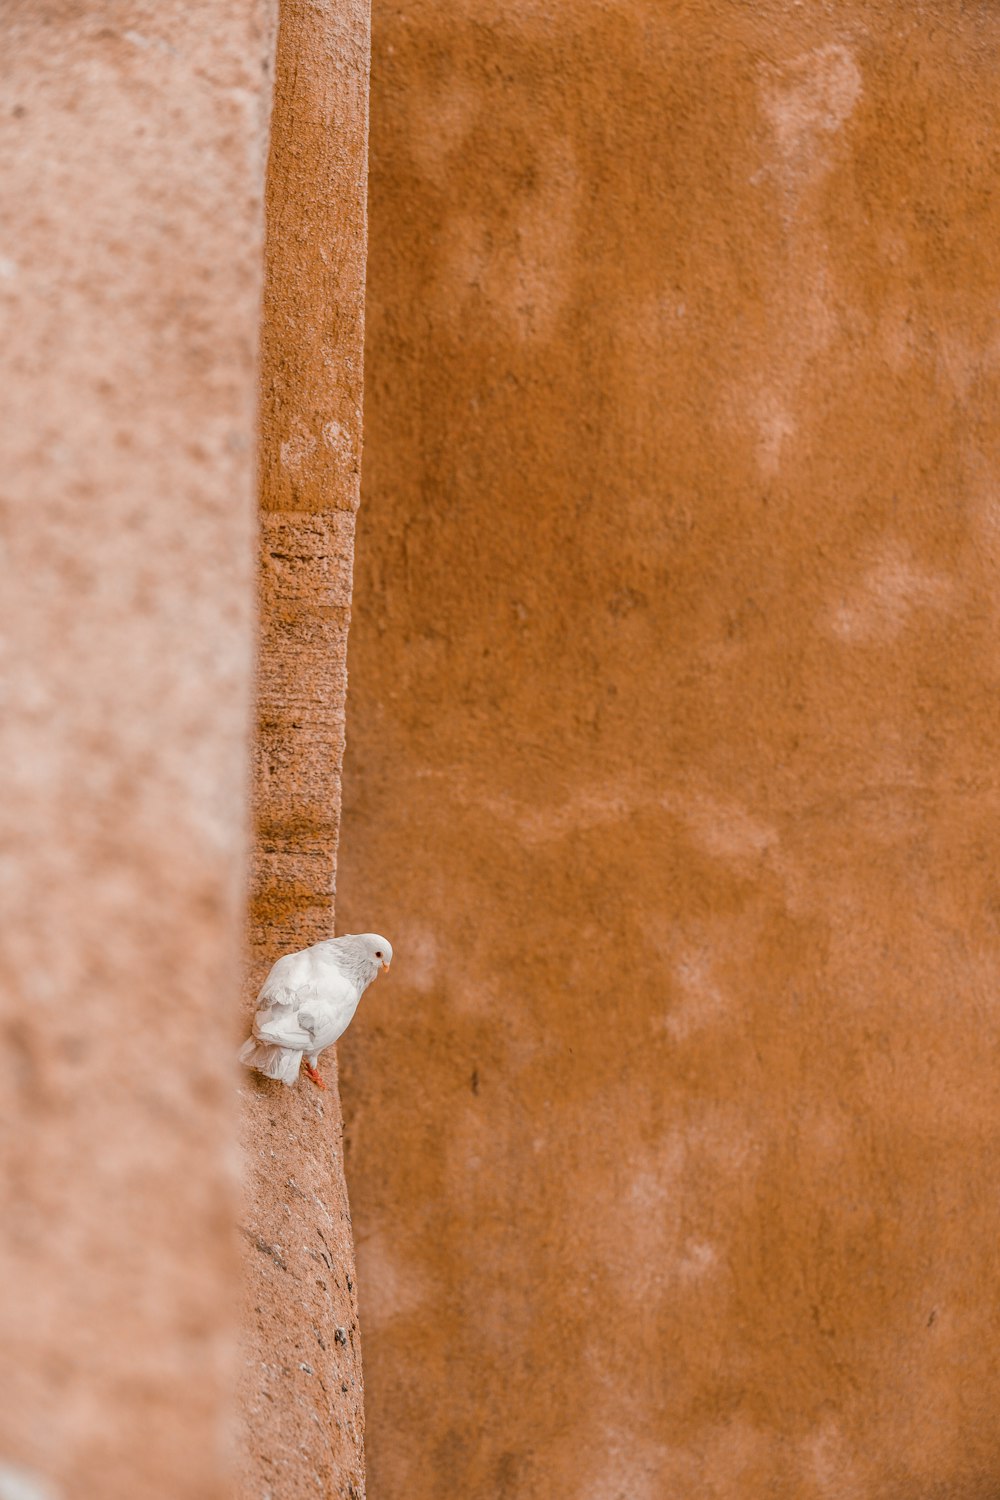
point(133, 147)
point(301, 1393)
point(672, 753)
point(132, 157)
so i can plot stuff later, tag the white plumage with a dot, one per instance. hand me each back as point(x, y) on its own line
point(308, 1000)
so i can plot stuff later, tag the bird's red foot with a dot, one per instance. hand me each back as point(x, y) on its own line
point(314, 1074)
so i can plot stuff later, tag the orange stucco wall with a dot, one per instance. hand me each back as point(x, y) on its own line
point(673, 732)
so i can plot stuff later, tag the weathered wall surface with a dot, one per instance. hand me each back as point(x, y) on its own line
point(301, 1390)
point(673, 745)
point(132, 155)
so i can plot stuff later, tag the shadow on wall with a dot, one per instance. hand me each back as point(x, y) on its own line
point(670, 768)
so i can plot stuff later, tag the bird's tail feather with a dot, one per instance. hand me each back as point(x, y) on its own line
point(273, 1062)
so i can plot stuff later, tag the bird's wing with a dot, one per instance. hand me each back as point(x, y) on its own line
point(287, 976)
point(328, 1014)
point(305, 1002)
point(287, 989)
point(278, 1026)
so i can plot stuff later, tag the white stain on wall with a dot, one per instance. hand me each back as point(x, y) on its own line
point(805, 105)
point(702, 1002)
point(887, 597)
point(340, 442)
point(398, 1289)
point(808, 101)
point(297, 447)
point(515, 263)
point(421, 948)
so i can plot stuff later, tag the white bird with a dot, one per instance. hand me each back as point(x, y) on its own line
point(308, 1000)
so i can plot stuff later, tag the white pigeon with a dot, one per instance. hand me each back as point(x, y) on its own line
point(308, 1000)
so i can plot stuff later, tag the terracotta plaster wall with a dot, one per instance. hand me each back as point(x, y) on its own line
point(301, 1395)
point(673, 753)
point(132, 156)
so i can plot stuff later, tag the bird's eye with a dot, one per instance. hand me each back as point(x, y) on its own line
point(378, 953)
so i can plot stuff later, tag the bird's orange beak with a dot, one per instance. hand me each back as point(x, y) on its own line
point(385, 965)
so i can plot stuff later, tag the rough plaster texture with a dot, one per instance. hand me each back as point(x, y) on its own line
point(301, 1392)
point(132, 154)
point(673, 749)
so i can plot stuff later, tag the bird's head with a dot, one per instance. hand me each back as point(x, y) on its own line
point(363, 954)
point(377, 948)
